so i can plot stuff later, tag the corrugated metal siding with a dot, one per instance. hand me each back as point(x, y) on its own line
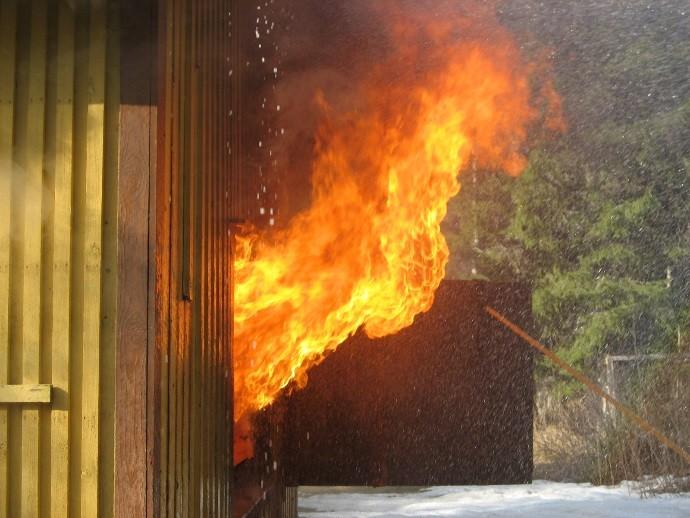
point(58, 191)
point(194, 260)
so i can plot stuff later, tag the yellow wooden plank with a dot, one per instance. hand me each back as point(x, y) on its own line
point(78, 303)
point(25, 393)
point(8, 17)
point(93, 216)
point(32, 162)
point(106, 461)
point(47, 243)
point(62, 243)
point(21, 101)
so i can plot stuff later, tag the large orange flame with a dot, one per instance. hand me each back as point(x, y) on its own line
point(369, 251)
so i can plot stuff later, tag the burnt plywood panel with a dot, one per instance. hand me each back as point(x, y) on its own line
point(445, 401)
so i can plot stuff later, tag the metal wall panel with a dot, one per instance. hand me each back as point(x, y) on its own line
point(58, 188)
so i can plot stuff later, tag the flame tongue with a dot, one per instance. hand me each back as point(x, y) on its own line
point(369, 251)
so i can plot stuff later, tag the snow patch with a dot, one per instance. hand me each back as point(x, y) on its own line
point(536, 500)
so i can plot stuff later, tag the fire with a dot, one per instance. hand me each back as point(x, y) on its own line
point(369, 251)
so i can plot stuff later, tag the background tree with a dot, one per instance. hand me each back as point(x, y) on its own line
point(598, 224)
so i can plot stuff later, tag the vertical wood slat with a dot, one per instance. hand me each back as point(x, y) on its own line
point(183, 258)
point(175, 324)
point(227, 255)
point(225, 237)
point(109, 250)
point(132, 313)
point(208, 296)
point(207, 310)
point(201, 310)
point(77, 266)
point(93, 214)
point(133, 465)
point(164, 261)
point(186, 215)
point(226, 392)
point(234, 135)
point(220, 233)
point(203, 270)
point(216, 17)
point(187, 305)
point(191, 499)
point(16, 258)
point(47, 247)
point(153, 367)
point(195, 161)
point(209, 207)
point(220, 237)
point(218, 474)
point(8, 17)
point(225, 216)
point(197, 424)
point(60, 340)
point(36, 129)
point(31, 161)
point(217, 237)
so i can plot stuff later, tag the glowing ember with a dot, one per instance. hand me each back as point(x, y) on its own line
point(369, 251)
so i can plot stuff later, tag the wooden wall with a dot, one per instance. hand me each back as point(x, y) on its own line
point(136, 360)
point(193, 442)
point(58, 251)
point(117, 187)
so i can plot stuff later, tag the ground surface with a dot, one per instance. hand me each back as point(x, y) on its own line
point(540, 499)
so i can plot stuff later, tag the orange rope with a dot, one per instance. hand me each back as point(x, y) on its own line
point(591, 385)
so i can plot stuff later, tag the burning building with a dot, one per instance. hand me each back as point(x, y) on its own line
point(209, 203)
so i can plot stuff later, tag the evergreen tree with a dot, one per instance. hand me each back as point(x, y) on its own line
point(598, 224)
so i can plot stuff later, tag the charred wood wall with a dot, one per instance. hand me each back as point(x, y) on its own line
point(191, 375)
point(445, 401)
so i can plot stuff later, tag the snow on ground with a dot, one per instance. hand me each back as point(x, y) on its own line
point(540, 499)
